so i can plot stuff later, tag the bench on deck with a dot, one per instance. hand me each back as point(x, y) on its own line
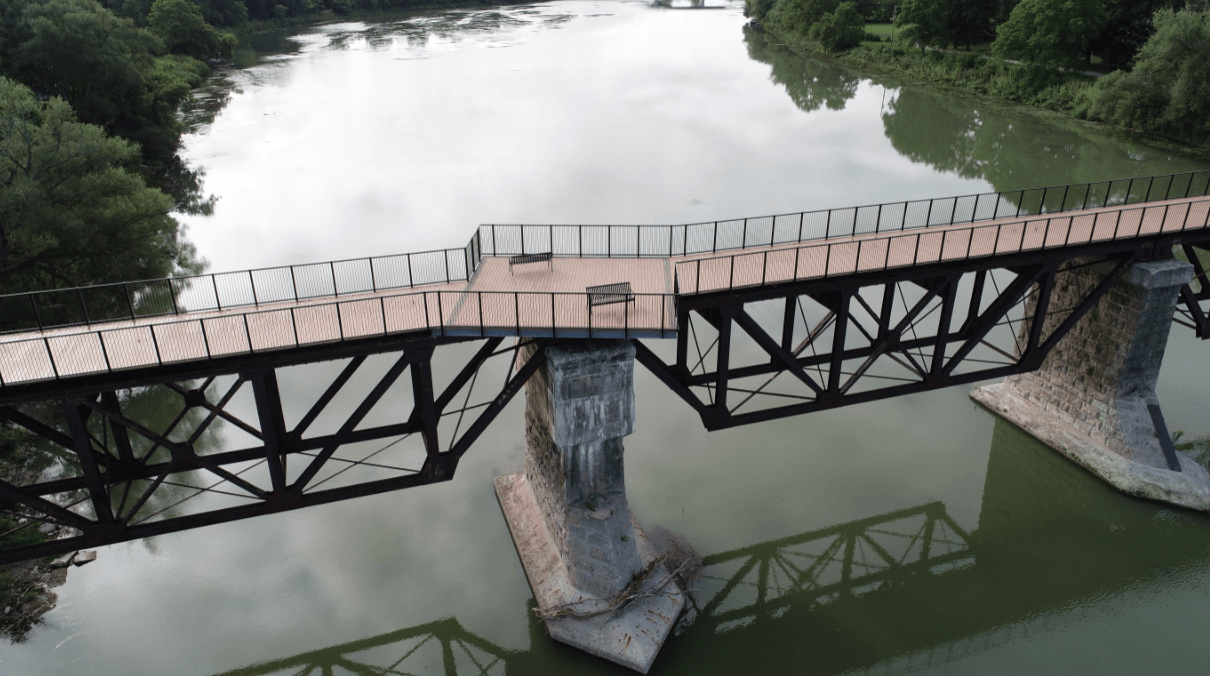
point(609, 293)
point(531, 258)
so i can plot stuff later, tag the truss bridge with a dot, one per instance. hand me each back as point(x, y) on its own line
point(744, 320)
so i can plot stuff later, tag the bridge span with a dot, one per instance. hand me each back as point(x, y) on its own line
point(833, 307)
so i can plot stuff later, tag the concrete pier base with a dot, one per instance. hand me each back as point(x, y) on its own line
point(1094, 400)
point(567, 513)
point(631, 638)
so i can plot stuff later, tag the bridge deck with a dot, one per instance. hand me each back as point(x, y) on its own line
point(537, 300)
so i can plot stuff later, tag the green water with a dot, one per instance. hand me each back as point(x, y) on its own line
point(350, 140)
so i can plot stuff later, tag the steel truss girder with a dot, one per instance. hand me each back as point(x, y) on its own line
point(848, 313)
point(107, 471)
point(1194, 306)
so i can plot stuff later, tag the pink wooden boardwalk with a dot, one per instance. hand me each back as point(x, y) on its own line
point(543, 300)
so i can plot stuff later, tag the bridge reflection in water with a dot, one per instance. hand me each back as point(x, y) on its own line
point(893, 593)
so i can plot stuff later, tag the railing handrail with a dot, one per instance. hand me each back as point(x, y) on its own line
point(1198, 184)
point(251, 296)
point(693, 281)
point(441, 325)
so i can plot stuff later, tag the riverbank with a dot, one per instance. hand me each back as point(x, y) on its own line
point(1031, 90)
point(384, 12)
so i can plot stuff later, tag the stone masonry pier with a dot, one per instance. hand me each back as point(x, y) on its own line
point(579, 544)
point(1094, 399)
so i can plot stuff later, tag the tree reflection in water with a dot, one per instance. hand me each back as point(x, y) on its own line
point(164, 412)
point(887, 594)
point(811, 84)
point(978, 140)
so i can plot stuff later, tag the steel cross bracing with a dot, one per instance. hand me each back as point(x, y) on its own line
point(134, 451)
point(750, 355)
point(134, 475)
point(1194, 305)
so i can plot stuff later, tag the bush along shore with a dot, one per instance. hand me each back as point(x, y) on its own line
point(1161, 92)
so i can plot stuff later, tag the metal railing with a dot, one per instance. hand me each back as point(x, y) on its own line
point(744, 233)
point(175, 296)
point(724, 273)
point(178, 295)
point(441, 313)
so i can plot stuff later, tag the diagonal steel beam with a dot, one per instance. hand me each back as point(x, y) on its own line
point(352, 422)
point(766, 342)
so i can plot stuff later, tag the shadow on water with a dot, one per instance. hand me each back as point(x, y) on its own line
point(892, 592)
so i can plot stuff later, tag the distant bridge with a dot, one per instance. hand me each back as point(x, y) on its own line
point(834, 307)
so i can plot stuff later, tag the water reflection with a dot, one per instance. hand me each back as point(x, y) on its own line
point(888, 593)
point(978, 140)
point(811, 84)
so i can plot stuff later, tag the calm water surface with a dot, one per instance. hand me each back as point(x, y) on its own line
point(349, 140)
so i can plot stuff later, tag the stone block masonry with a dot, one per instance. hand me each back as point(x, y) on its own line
point(568, 514)
point(577, 409)
point(1090, 398)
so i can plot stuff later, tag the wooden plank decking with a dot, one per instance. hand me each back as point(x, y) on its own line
point(540, 301)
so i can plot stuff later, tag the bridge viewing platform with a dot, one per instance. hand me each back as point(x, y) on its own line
point(476, 292)
point(1067, 292)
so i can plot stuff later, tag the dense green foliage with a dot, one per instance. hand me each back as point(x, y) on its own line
point(924, 23)
point(179, 23)
point(1169, 89)
point(1051, 32)
point(89, 136)
point(70, 211)
point(840, 29)
point(1035, 58)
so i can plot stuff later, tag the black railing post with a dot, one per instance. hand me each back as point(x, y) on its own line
point(129, 299)
point(252, 283)
point(293, 282)
point(517, 312)
point(37, 315)
point(440, 314)
point(83, 309)
point(172, 294)
point(332, 271)
point(51, 357)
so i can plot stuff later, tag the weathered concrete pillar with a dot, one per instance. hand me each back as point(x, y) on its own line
point(1094, 397)
point(568, 515)
point(577, 409)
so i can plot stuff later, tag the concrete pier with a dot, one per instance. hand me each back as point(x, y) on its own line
point(1094, 397)
point(568, 515)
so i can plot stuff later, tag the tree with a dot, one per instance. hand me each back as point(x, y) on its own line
point(797, 16)
point(1051, 32)
point(70, 212)
point(969, 22)
point(108, 69)
point(1169, 89)
point(179, 23)
point(839, 30)
point(924, 22)
point(1127, 27)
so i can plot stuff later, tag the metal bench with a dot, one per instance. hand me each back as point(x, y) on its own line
point(609, 293)
point(531, 258)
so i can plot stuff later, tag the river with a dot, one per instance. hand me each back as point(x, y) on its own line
point(355, 139)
